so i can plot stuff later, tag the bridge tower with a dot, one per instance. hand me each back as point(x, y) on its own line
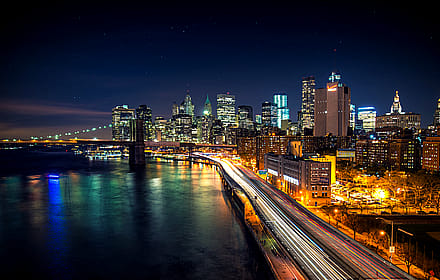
point(137, 147)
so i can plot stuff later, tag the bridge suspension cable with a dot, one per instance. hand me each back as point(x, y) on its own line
point(68, 133)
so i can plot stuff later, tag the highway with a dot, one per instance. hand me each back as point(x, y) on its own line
point(321, 251)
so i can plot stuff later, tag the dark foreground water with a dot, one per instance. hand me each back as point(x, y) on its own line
point(103, 221)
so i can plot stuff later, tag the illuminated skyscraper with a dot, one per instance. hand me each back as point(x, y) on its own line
point(268, 114)
point(332, 108)
point(258, 119)
point(397, 120)
point(143, 112)
point(367, 118)
point(160, 125)
point(226, 109)
point(121, 118)
point(352, 117)
point(396, 108)
point(307, 120)
point(437, 114)
point(245, 117)
point(187, 106)
point(280, 101)
point(207, 108)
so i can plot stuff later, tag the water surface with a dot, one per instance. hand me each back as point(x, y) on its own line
point(166, 221)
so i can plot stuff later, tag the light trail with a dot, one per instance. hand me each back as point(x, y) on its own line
point(321, 251)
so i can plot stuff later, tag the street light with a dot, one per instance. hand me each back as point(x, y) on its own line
point(392, 248)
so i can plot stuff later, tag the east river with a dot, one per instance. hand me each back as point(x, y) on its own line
point(101, 220)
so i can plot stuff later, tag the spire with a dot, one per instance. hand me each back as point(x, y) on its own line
point(334, 77)
point(396, 108)
point(207, 109)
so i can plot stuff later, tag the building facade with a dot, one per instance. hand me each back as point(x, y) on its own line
point(371, 153)
point(404, 154)
point(396, 120)
point(332, 108)
point(207, 107)
point(268, 114)
point(436, 121)
point(307, 119)
point(306, 180)
point(187, 106)
point(431, 154)
point(394, 154)
point(367, 119)
point(121, 120)
point(280, 101)
point(245, 117)
point(352, 117)
point(226, 109)
point(143, 112)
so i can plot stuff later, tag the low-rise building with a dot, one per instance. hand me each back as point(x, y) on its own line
point(306, 180)
point(431, 154)
point(396, 154)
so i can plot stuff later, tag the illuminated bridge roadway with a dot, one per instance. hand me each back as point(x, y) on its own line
point(317, 249)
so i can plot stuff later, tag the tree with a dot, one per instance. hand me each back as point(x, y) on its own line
point(436, 200)
point(327, 210)
point(417, 184)
point(408, 254)
point(353, 222)
point(432, 187)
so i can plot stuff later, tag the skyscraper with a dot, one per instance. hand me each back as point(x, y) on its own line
point(307, 120)
point(396, 120)
point(258, 119)
point(245, 117)
point(437, 114)
point(352, 117)
point(121, 118)
point(367, 118)
point(396, 108)
point(143, 112)
point(268, 114)
point(160, 125)
point(280, 100)
point(187, 107)
point(332, 108)
point(226, 109)
point(207, 108)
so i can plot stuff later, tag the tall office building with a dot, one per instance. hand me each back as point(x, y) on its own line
point(396, 120)
point(207, 108)
point(280, 101)
point(187, 107)
point(226, 109)
point(396, 108)
point(307, 120)
point(352, 117)
point(437, 114)
point(268, 114)
point(332, 108)
point(175, 109)
point(367, 118)
point(160, 125)
point(258, 119)
point(121, 118)
point(143, 112)
point(182, 128)
point(245, 117)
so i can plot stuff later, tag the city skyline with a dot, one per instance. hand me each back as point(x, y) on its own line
point(71, 65)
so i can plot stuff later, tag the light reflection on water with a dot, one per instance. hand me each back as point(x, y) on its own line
point(168, 221)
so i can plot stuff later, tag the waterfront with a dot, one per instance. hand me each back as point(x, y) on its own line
point(103, 220)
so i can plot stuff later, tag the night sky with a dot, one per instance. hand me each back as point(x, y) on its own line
point(64, 66)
